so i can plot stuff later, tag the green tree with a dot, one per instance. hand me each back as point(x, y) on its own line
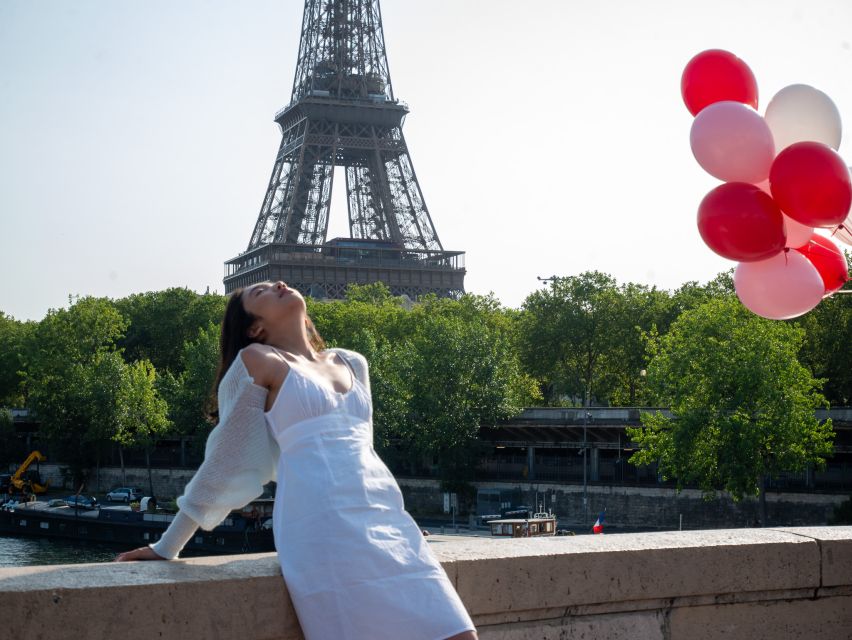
point(641, 313)
point(742, 404)
point(827, 349)
point(141, 414)
point(566, 335)
point(73, 375)
point(13, 339)
point(162, 321)
point(463, 372)
point(691, 294)
point(189, 392)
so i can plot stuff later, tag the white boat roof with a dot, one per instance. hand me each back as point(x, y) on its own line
point(520, 520)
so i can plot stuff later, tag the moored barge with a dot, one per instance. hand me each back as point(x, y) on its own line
point(244, 531)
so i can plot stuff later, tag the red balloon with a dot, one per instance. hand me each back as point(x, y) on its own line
point(811, 184)
point(740, 222)
point(715, 75)
point(828, 260)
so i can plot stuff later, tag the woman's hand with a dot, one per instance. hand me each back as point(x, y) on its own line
point(142, 553)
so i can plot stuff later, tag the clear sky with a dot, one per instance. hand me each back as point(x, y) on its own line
point(136, 138)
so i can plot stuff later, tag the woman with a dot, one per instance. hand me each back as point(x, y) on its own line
point(355, 563)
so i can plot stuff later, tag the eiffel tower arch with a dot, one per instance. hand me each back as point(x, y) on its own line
point(343, 114)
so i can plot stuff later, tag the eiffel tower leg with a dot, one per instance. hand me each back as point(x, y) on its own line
point(297, 202)
point(279, 191)
point(413, 219)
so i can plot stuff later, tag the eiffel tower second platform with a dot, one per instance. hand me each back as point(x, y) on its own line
point(326, 270)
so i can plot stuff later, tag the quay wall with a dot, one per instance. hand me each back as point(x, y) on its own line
point(643, 507)
point(758, 584)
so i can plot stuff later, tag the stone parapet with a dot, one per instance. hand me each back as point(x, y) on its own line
point(752, 583)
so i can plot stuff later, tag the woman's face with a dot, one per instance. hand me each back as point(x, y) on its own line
point(271, 303)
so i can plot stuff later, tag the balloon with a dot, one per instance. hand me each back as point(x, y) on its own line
point(811, 184)
point(800, 113)
point(782, 287)
point(732, 142)
point(828, 261)
point(716, 75)
point(798, 234)
point(740, 222)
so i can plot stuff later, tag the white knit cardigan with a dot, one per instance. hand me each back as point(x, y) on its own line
point(240, 456)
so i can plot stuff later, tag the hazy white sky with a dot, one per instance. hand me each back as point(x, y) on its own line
point(136, 138)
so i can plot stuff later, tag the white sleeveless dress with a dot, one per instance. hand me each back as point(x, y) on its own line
point(355, 563)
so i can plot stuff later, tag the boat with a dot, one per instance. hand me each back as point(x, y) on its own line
point(540, 524)
point(243, 531)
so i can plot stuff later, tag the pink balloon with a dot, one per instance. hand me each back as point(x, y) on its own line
point(798, 234)
point(732, 142)
point(784, 286)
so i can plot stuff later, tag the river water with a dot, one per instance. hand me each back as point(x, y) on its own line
point(22, 552)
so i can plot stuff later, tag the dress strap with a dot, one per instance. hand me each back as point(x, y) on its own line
point(346, 362)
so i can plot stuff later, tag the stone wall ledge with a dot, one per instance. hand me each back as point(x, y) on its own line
point(750, 583)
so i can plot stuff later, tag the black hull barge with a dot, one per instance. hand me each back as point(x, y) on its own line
point(246, 531)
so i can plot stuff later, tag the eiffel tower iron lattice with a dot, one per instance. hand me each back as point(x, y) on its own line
point(343, 113)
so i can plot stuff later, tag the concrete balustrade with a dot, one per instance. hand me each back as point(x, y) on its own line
point(744, 583)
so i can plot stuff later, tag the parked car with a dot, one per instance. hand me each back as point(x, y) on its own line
point(124, 494)
point(82, 502)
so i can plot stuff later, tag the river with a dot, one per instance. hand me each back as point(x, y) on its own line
point(22, 552)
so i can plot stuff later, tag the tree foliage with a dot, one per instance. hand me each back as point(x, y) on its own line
point(162, 321)
point(188, 393)
point(742, 404)
point(73, 377)
point(13, 340)
point(584, 337)
point(827, 348)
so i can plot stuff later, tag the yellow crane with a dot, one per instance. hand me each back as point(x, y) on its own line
point(27, 484)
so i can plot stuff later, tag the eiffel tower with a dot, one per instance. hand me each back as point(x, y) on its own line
point(343, 113)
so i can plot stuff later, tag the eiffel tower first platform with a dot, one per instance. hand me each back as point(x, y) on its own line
point(343, 113)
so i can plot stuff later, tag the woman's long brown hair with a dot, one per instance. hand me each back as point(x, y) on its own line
point(234, 336)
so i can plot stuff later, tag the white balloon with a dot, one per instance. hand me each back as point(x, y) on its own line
point(800, 113)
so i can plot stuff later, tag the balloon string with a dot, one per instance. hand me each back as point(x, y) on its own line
point(840, 227)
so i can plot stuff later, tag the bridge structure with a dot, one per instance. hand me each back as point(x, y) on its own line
point(562, 444)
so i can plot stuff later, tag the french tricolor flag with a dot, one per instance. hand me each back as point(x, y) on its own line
point(598, 526)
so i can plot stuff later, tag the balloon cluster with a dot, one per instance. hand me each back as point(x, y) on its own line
point(783, 179)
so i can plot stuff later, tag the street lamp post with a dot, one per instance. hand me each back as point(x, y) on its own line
point(586, 415)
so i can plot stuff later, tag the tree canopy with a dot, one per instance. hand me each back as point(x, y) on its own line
point(742, 404)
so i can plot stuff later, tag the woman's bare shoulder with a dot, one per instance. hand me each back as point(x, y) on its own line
point(262, 363)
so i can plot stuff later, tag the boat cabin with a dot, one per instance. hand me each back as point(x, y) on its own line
point(523, 527)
